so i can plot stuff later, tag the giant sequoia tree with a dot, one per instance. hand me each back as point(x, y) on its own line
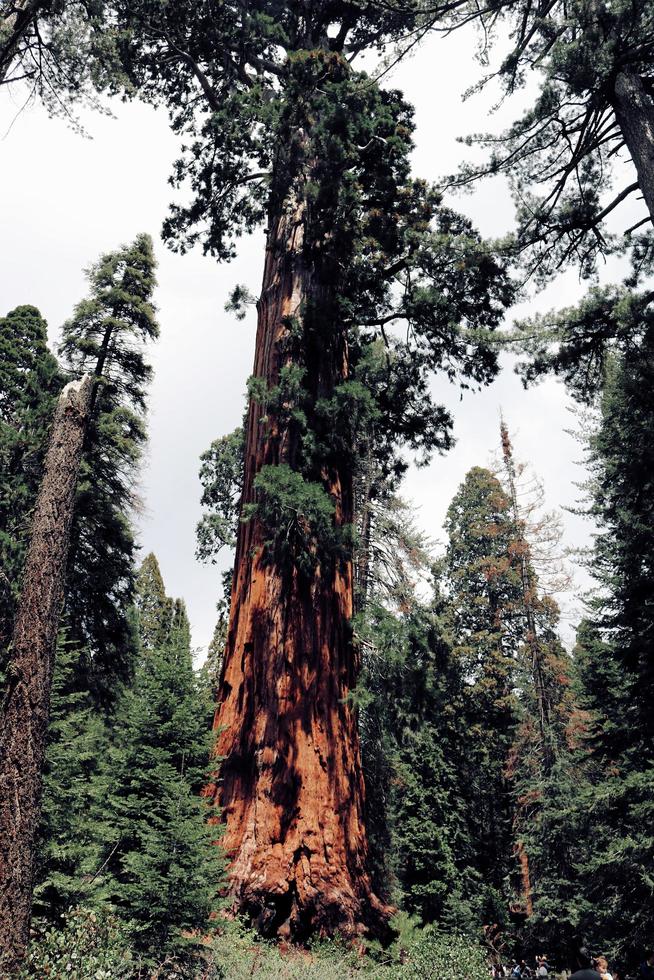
point(281, 129)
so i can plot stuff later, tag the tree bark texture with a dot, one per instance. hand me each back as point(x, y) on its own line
point(291, 785)
point(26, 705)
point(634, 111)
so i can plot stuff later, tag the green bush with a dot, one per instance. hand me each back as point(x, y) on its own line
point(87, 946)
point(416, 955)
point(93, 946)
point(90, 945)
point(445, 958)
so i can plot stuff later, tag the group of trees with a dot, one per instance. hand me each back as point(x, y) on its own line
point(506, 781)
point(124, 751)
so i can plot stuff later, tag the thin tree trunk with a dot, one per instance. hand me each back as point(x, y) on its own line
point(291, 784)
point(26, 704)
point(634, 111)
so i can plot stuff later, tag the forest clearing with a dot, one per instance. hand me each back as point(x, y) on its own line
point(327, 489)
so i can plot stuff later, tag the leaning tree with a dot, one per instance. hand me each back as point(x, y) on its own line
point(280, 129)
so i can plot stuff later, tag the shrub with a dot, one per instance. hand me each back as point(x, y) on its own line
point(87, 946)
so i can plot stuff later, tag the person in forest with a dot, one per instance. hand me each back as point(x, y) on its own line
point(585, 967)
point(646, 969)
point(602, 967)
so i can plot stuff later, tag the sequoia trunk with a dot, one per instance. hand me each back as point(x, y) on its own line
point(26, 705)
point(291, 784)
point(634, 111)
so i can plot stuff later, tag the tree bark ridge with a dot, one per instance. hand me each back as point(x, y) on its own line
point(291, 785)
point(26, 704)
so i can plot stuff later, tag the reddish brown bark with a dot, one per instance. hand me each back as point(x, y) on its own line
point(291, 784)
point(26, 705)
point(525, 877)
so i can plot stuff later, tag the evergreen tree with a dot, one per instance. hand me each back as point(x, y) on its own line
point(616, 667)
point(283, 130)
point(593, 104)
point(163, 868)
point(597, 811)
point(154, 610)
point(106, 337)
point(484, 585)
point(29, 384)
point(75, 785)
point(414, 744)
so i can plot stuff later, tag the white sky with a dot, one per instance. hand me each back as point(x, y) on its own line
point(65, 199)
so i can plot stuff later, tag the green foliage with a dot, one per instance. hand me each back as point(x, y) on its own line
point(61, 51)
point(85, 946)
point(559, 154)
point(605, 826)
point(298, 516)
point(75, 784)
point(239, 298)
point(29, 383)
point(415, 743)
point(282, 122)
point(221, 476)
point(106, 337)
point(485, 589)
point(92, 946)
point(416, 954)
point(163, 869)
point(154, 609)
point(448, 958)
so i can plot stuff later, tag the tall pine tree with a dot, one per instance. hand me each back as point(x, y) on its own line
point(163, 868)
point(106, 337)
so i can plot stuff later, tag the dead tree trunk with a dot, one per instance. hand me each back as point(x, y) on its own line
point(634, 110)
point(26, 704)
point(291, 785)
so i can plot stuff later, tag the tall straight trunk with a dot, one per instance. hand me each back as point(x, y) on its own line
point(25, 710)
point(634, 110)
point(291, 785)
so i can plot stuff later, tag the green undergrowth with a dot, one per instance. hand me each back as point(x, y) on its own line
point(91, 946)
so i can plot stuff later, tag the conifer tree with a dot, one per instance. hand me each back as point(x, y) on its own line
point(29, 383)
point(484, 584)
point(106, 337)
point(75, 785)
point(163, 869)
point(602, 349)
point(414, 744)
point(616, 667)
point(284, 131)
point(593, 105)
point(154, 609)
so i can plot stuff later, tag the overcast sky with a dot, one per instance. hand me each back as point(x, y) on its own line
point(64, 199)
